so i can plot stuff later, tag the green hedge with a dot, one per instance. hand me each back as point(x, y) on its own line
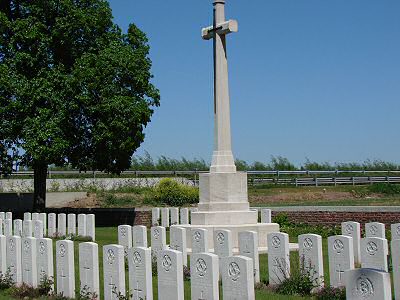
point(172, 193)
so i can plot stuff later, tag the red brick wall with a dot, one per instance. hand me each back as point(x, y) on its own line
point(143, 218)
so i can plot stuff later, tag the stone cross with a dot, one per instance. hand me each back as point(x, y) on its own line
point(222, 160)
point(352, 229)
point(44, 258)
point(65, 268)
point(140, 273)
point(368, 284)
point(341, 258)
point(170, 275)
point(204, 276)
point(89, 267)
point(237, 278)
point(248, 246)
point(114, 271)
point(278, 257)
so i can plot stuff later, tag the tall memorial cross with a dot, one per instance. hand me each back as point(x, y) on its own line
point(222, 160)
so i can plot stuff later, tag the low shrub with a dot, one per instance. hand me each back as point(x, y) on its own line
point(384, 188)
point(330, 293)
point(172, 193)
point(6, 280)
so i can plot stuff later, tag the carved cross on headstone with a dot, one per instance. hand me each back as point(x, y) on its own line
point(113, 287)
point(63, 277)
point(27, 270)
point(202, 296)
point(86, 270)
point(340, 273)
point(137, 291)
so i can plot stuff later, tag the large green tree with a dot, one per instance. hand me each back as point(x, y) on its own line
point(74, 89)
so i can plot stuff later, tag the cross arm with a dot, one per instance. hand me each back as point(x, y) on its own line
point(224, 28)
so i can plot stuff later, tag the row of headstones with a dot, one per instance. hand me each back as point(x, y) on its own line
point(39, 225)
point(175, 216)
point(340, 250)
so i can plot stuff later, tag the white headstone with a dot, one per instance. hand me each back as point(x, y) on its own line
point(114, 271)
point(14, 258)
point(155, 216)
point(352, 229)
point(139, 236)
point(341, 258)
point(395, 253)
point(395, 231)
point(89, 267)
point(199, 240)
point(52, 223)
point(2, 215)
point(27, 228)
point(204, 276)
point(91, 226)
point(8, 227)
point(1, 226)
point(125, 237)
point(82, 225)
point(65, 268)
point(165, 217)
point(174, 215)
point(9, 215)
point(3, 254)
point(38, 229)
point(158, 240)
point(184, 216)
point(248, 246)
point(375, 229)
point(223, 243)
point(43, 218)
point(27, 216)
point(310, 254)
point(177, 241)
point(140, 273)
point(367, 284)
point(29, 271)
point(266, 215)
point(278, 257)
point(45, 263)
point(374, 252)
point(170, 275)
point(62, 224)
point(18, 227)
point(35, 216)
point(71, 224)
point(237, 278)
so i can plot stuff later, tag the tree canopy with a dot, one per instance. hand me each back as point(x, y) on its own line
point(73, 88)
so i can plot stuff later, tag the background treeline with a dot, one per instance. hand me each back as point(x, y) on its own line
point(163, 163)
point(146, 162)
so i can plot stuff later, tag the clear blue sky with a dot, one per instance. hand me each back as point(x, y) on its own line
point(308, 78)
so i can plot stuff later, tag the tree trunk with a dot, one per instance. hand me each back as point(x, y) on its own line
point(39, 195)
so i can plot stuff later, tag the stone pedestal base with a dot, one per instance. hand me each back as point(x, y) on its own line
point(263, 229)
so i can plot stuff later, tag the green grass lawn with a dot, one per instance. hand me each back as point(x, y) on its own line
point(106, 236)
